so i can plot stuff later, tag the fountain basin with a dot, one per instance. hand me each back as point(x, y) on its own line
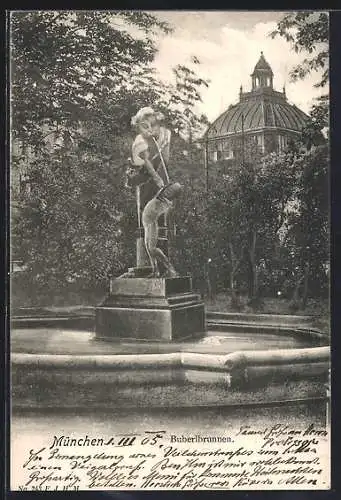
point(245, 363)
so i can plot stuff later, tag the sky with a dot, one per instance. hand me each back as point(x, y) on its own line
point(228, 45)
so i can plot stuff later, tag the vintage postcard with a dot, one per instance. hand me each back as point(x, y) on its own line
point(169, 261)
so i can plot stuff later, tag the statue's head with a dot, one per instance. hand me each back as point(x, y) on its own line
point(156, 123)
point(147, 121)
point(143, 121)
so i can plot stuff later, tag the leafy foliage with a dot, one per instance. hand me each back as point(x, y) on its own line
point(259, 224)
point(308, 31)
point(307, 237)
point(77, 78)
point(85, 67)
point(308, 227)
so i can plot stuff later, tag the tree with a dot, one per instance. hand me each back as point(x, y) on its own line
point(243, 216)
point(66, 64)
point(308, 31)
point(84, 67)
point(266, 189)
point(308, 224)
point(307, 237)
point(81, 75)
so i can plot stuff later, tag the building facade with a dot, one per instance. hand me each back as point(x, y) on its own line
point(263, 120)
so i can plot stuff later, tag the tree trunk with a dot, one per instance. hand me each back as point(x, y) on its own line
point(208, 282)
point(253, 285)
point(295, 296)
point(235, 302)
point(295, 301)
point(254, 288)
point(254, 299)
point(305, 285)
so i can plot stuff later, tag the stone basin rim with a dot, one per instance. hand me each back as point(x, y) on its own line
point(33, 310)
point(180, 360)
point(177, 360)
point(214, 323)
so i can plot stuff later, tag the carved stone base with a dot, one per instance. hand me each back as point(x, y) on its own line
point(136, 272)
point(160, 309)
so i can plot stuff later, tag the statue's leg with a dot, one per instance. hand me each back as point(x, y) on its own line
point(149, 237)
point(170, 271)
point(150, 225)
point(152, 246)
point(138, 205)
point(153, 210)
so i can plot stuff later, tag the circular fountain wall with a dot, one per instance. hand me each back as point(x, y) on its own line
point(238, 362)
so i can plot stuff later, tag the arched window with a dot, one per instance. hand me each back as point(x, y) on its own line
point(282, 142)
point(228, 154)
point(260, 142)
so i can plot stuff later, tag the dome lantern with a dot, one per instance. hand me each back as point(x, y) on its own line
point(262, 75)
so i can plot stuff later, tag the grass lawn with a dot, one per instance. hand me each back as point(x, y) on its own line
point(222, 302)
point(317, 308)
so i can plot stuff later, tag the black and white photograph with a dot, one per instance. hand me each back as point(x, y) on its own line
point(169, 250)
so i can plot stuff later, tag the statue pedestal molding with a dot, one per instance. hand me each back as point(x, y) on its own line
point(158, 309)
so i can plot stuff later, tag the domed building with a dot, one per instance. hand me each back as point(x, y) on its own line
point(263, 119)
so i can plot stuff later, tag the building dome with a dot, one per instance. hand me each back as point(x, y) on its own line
point(260, 110)
point(257, 113)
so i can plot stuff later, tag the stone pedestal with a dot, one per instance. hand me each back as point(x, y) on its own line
point(156, 309)
point(142, 259)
